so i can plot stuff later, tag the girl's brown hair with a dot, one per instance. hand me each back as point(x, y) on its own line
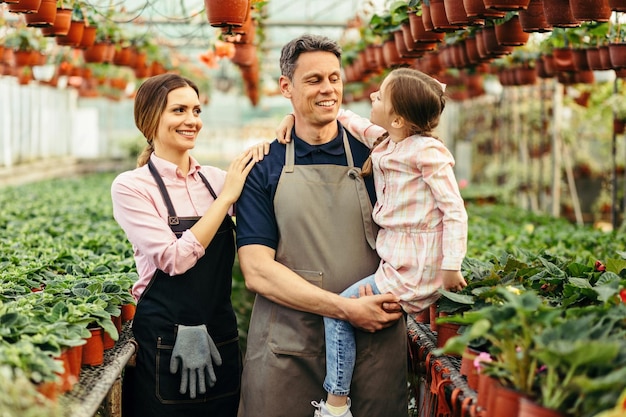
point(150, 101)
point(416, 97)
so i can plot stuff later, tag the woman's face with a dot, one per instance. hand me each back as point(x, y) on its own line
point(180, 122)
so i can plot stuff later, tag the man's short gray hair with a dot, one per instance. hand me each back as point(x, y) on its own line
point(305, 43)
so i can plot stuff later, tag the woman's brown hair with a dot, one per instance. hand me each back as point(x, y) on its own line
point(150, 101)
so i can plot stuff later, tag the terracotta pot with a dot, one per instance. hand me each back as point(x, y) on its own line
point(75, 359)
point(471, 49)
point(533, 19)
point(617, 5)
point(222, 13)
point(88, 38)
point(419, 33)
point(605, 57)
point(584, 10)
point(25, 6)
point(93, 350)
point(584, 77)
point(412, 45)
point(468, 369)
point(580, 59)
point(128, 312)
point(617, 55)
point(245, 54)
point(619, 126)
point(66, 378)
point(49, 389)
point(593, 58)
point(559, 14)
point(95, 53)
point(45, 15)
point(486, 394)
point(507, 5)
point(511, 33)
point(490, 40)
point(427, 18)
point(446, 331)
point(401, 46)
point(24, 58)
point(525, 75)
point(545, 66)
point(74, 35)
point(456, 14)
point(121, 56)
point(439, 17)
point(529, 408)
point(390, 54)
point(477, 9)
point(61, 26)
point(563, 59)
point(506, 402)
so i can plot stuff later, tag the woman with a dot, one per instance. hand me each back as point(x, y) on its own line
point(177, 215)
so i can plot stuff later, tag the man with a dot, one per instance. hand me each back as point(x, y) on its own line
point(305, 233)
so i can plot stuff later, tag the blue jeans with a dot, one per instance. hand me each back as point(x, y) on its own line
point(341, 346)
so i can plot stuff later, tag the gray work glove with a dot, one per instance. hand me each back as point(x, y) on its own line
point(195, 353)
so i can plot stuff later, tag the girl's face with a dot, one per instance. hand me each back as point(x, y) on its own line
point(381, 114)
point(180, 122)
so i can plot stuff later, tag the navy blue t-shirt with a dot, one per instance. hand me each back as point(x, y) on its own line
point(256, 221)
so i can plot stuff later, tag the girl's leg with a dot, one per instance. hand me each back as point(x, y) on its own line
point(341, 349)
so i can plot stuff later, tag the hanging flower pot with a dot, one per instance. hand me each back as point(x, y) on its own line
point(510, 33)
point(507, 5)
point(25, 6)
point(579, 56)
point(584, 10)
point(88, 38)
point(122, 56)
point(455, 11)
point(584, 77)
point(563, 59)
point(476, 9)
point(617, 5)
point(533, 19)
point(401, 46)
point(45, 15)
point(427, 18)
point(525, 75)
point(419, 33)
point(96, 53)
point(222, 13)
point(559, 14)
point(439, 17)
point(391, 56)
point(61, 25)
point(93, 350)
point(617, 55)
point(74, 35)
point(492, 46)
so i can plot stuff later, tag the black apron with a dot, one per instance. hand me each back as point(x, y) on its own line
point(199, 296)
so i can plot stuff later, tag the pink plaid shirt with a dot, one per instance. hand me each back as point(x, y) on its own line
point(139, 209)
point(419, 209)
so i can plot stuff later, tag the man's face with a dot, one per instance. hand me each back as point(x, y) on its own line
point(316, 90)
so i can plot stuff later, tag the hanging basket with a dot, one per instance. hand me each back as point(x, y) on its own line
point(222, 13)
point(510, 33)
point(74, 35)
point(559, 14)
point(25, 6)
point(61, 25)
point(45, 15)
point(597, 10)
point(533, 19)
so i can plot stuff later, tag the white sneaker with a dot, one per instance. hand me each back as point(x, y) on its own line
point(322, 410)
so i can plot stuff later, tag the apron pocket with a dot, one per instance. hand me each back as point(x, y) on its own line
point(296, 333)
point(228, 375)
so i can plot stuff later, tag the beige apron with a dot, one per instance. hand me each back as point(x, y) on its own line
point(327, 237)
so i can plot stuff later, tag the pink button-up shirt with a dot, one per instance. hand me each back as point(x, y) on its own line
point(419, 209)
point(140, 210)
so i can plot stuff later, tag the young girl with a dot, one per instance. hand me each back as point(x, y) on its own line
point(423, 235)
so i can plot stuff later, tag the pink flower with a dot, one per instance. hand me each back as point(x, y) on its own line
point(463, 183)
point(482, 357)
point(600, 266)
